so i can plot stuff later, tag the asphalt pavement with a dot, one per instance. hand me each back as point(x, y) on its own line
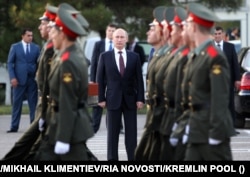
point(240, 144)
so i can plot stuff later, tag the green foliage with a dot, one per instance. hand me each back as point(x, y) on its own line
point(6, 109)
point(133, 15)
point(98, 17)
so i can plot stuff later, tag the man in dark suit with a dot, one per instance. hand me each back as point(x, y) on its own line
point(231, 55)
point(133, 46)
point(22, 66)
point(121, 90)
point(103, 45)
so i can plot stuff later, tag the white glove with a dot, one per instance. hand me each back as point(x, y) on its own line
point(174, 126)
point(173, 141)
point(184, 139)
point(41, 124)
point(212, 141)
point(61, 148)
point(187, 129)
point(185, 136)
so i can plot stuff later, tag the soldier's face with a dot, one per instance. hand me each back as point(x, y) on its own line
point(55, 37)
point(186, 35)
point(176, 35)
point(43, 29)
point(166, 32)
point(154, 35)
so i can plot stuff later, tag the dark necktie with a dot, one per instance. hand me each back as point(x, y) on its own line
point(110, 45)
point(219, 46)
point(27, 49)
point(121, 63)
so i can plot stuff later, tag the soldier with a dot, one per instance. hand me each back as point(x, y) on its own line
point(145, 149)
point(70, 125)
point(158, 95)
point(22, 147)
point(206, 85)
point(172, 75)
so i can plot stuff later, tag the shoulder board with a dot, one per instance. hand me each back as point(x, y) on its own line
point(65, 56)
point(212, 52)
point(185, 52)
point(49, 45)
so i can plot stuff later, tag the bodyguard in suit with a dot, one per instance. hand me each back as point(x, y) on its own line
point(121, 90)
point(232, 59)
point(22, 66)
point(135, 47)
point(100, 46)
point(22, 148)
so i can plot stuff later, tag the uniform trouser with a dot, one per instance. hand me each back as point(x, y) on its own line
point(204, 151)
point(28, 141)
point(23, 146)
point(77, 152)
point(166, 149)
point(141, 147)
point(155, 146)
point(179, 151)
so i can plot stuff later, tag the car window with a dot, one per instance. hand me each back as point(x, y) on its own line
point(246, 61)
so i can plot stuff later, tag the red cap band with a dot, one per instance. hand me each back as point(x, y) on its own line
point(51, 16)
point(201, 21)
point(177, 19)
point(65, 29)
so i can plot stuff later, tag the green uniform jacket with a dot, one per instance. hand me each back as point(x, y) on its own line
point(153, 68)
point(173, 76)
point(70, 122)
point(42, 77)
point(208, 79)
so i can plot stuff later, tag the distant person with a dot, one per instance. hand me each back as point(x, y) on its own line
point(121, 91)
point(31, 137)
point(22, 67)
point(234, 34)
point(232, 59)
point(135, 47)
point(101, 46)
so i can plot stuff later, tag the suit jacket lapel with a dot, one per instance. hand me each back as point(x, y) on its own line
point(113, 60)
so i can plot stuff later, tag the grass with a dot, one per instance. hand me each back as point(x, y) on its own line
point(6, 110)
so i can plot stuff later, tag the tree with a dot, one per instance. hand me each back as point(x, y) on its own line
point(133, 15)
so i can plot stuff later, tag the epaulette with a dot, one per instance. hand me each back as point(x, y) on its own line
point(212, 52)
point(185, 52)
point(49, 45)
point(65, 56)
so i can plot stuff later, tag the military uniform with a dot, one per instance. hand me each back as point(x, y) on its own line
point(142, 149)
point(210, 124)
point(150, 138)
point(67, 113)
point(27, 145)
point(172, 86)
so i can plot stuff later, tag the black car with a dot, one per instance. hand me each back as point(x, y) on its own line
point(242, 97)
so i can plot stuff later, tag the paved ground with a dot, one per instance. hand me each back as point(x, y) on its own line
point(240, 144)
